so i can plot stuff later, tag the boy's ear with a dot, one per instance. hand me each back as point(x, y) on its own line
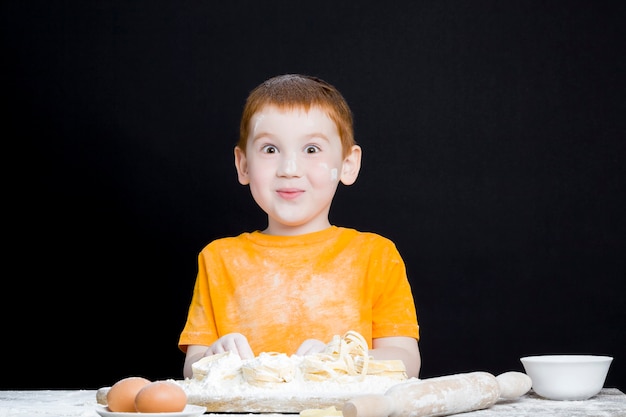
point(241, 163)
point(351, 166)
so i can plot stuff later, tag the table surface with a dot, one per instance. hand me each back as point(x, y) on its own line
point(611, 402)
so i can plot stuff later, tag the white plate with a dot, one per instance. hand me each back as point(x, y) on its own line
point(189, 411)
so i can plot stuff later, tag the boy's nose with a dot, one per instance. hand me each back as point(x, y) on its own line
point(288, 166)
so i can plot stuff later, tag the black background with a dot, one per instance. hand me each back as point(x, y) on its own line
point(493, 136)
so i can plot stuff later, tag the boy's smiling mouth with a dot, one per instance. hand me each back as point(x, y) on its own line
point(289, 193)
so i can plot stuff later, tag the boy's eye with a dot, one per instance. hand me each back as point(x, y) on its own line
point(269, 149)
point(311, 149)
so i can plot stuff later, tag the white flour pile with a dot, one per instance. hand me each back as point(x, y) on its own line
point(281, 376)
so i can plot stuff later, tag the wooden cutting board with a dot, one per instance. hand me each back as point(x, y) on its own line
point(273, 404)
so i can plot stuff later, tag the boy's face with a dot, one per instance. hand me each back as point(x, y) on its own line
point(293, 164)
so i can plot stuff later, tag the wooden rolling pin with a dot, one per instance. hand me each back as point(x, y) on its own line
point(440, 396)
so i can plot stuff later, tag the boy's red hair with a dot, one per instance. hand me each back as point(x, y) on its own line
point(291, 91)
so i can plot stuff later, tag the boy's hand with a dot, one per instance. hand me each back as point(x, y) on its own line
point(311, 346)
point(233, 342)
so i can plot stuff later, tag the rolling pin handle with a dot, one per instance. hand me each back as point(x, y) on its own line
point(513, 384)
point(368, 406)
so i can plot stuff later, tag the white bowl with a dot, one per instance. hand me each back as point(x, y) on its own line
point(567, 377)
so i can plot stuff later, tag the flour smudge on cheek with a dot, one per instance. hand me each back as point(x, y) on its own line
point(333, 172)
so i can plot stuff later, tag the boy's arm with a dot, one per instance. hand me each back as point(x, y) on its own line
point(403, 348)
point(193, 355)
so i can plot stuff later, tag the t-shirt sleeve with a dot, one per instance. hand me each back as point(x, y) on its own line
point(394, 311)
point(200, 326)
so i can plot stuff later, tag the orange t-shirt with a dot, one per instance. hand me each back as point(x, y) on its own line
point(281, 290)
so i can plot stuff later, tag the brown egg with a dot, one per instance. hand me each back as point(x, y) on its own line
point(161, 397)
point(121, 396)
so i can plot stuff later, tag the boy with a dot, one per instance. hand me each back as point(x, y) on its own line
point(293, 286)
